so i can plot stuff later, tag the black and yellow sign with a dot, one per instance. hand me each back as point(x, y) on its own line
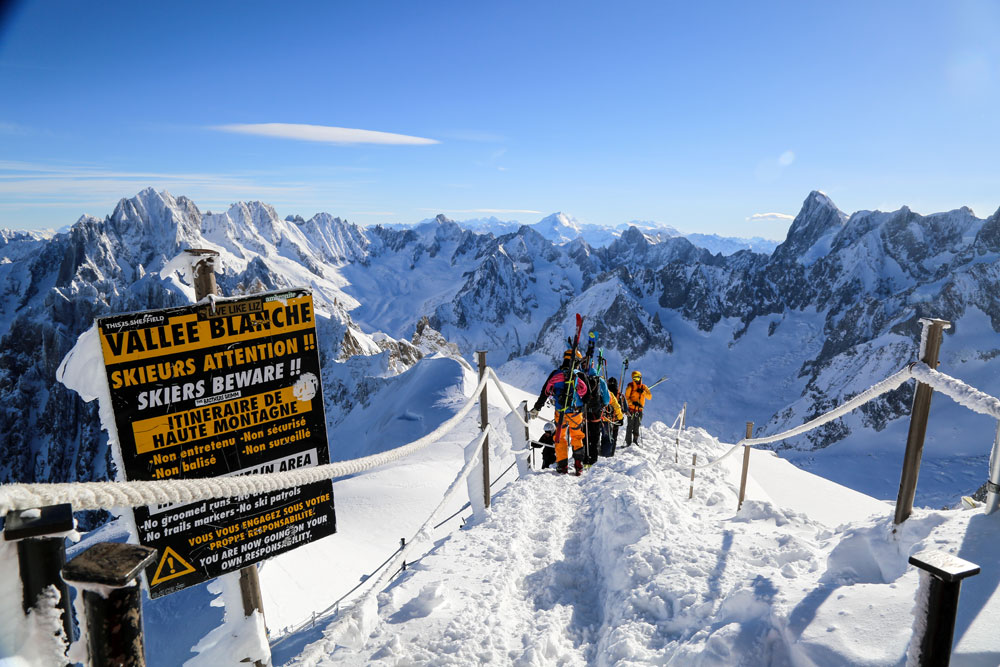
point(230, 388)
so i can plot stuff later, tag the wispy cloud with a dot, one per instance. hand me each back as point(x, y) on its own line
point(325, 134)
point(770, 217)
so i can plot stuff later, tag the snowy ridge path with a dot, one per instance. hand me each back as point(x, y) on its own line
point(615, 567)
point(619, 567)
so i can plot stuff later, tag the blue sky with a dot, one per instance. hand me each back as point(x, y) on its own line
point(704, 116)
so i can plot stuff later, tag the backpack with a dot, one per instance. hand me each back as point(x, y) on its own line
point(593, 399)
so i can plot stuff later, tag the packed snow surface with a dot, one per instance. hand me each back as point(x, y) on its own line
point(619, 566)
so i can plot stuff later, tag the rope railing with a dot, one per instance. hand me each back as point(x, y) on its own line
point(506, 398)
point(101, 495)
point(963, 394)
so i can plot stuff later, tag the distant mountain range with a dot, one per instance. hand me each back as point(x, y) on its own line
point(562, 228)
point(775, 337)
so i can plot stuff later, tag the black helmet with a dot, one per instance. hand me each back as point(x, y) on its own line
point(549, 427)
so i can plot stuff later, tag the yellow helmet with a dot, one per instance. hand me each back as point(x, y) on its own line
point(636, 375)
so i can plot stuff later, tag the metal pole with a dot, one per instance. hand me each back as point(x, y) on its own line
point(203, 271)
point(114, 611)
point(941, 582)
point(41, 554)
point(694, 462)
point(993, 483)
point(484, 420)
point(931, 346)
point(746, 467)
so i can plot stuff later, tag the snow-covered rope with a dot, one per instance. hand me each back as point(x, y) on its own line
point(962, 393)
point(876, 390)
point(506, 398)
point(885, 386)
point(100, 495)
point(676, 422)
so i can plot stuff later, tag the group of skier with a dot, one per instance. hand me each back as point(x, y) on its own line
point(589, 408)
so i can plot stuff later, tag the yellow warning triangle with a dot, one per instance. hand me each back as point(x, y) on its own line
point(175, 567)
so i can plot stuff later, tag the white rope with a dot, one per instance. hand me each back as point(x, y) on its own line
point(963, 394)
point(506, 398)
point(885, 386)
point(100, 495)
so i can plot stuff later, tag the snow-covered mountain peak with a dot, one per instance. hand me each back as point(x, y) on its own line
point(813, 230)
point(559, 227)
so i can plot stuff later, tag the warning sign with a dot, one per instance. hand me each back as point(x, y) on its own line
point(218, 390)
point(171, 566)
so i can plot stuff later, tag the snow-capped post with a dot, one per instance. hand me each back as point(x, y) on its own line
point(746, 467)
point(523, 467)
point(41, 553)
point(993, 483)
point(484, 420)
point(677, 442)
point(930, 345)
point(936, 607)
point(203, 277)
point(107, 576)
point(694, 464)
point(203, 272)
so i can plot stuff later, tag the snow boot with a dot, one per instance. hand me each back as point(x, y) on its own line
point(562, 467)
point(578, 466)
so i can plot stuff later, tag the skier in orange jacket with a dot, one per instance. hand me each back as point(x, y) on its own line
point(636, 395)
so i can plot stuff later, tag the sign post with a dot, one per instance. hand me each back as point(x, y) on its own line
point(221, 389)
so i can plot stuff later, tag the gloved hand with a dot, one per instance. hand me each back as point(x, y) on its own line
point(533, 413)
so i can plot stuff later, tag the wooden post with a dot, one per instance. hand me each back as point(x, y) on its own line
point(931, 338)
point(746, 467)
point(107, 572)
point(677, 442)
point(694, 462)
point(41, 554)
point(484, 420)
point(203, 270)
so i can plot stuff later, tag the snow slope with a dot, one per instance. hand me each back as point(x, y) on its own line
point(620, 567)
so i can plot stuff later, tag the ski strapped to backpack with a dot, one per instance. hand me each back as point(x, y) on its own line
point(570, 384)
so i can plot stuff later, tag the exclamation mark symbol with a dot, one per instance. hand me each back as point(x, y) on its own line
point(310, 341)
point(170, 564)
point(296, 366)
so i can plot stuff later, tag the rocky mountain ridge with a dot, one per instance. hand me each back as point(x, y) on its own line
point(832, 310)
